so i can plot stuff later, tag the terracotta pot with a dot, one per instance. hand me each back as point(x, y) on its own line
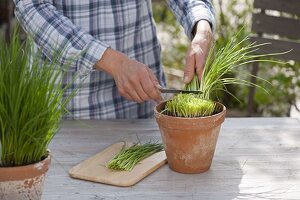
point(23, 182)
point(190, 142)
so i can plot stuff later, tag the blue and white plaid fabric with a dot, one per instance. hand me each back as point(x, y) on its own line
point(83, 29)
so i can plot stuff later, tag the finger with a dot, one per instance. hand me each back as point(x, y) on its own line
point(141, 93)
point(128, 91)
point(156, 84)
point(150, 89)
point(134, 96)
point(189, 69)
point(200, 63)
point(200, 58)
point(146, 75)
point(127, 96)
point(152, 92)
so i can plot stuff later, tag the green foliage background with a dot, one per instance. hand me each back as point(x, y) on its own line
point(232, 16)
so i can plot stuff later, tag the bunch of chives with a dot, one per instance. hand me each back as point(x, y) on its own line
point(226, 61)
point(127, 158)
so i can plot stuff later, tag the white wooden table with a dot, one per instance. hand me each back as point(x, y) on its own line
point(256, 158)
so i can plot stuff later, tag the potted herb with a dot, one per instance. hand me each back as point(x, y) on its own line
point(190, 123)
point(31, 107)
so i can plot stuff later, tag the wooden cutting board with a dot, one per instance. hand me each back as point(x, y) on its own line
point(94, 169)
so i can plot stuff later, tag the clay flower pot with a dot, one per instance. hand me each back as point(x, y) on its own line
point(190, 142)
point(23, 182)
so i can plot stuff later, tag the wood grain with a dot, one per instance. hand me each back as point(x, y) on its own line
point(289, 6)
point(256, 158)
point(277, 46)
point(283, 27)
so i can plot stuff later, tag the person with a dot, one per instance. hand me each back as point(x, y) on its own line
point(116, 49)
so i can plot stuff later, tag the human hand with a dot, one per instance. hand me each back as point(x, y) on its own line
point(135, 81)
point(198, 51)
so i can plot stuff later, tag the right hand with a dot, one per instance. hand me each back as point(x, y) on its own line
point(135, 81)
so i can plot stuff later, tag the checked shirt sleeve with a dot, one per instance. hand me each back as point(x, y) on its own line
point(53, 32)
point(189, 12)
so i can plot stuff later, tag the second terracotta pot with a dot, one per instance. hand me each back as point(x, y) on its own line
point(189, 142)
point(23, 182)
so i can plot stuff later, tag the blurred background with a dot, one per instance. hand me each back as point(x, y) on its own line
point(232, 15)
point(284, 91)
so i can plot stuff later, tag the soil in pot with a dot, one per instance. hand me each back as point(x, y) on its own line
point(190, 142)
point(23, 182)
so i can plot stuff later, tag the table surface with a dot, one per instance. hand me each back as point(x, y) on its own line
point(255, 158)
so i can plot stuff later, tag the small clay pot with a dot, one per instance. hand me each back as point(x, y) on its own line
point(189, 142)
point(23, 182)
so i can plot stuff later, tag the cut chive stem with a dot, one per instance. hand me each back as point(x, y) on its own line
point(127, 158)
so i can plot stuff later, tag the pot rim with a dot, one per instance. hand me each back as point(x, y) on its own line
point(206, 117)
point(37, 169)
point(44, 159)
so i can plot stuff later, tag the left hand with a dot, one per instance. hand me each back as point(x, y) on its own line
point(198, 51)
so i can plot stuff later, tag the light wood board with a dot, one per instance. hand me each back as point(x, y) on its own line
point(94, 169)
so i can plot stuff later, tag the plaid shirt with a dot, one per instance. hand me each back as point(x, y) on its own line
point(84, 29)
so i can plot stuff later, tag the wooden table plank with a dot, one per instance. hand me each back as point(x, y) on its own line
point(256, 158)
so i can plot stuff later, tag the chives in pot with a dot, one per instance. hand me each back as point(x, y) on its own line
point(31, 107)
point(190, 123)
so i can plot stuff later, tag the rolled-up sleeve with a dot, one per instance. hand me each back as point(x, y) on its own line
point(189, 12)
point(53, 32)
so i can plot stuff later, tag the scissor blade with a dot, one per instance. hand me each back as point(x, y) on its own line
point(175, 91)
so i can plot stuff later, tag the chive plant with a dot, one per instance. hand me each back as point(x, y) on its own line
point(189, 105)
point(225, 61)
point(31, 103)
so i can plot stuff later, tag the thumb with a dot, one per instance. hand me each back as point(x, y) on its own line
point(189, 69)
point(156, 84)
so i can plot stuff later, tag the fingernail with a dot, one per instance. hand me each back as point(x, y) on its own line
point(186, 79)
point(158, 86)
